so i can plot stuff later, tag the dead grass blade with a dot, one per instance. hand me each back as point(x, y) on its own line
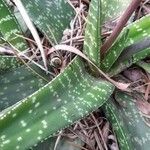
point(20, 55)
point(143, 106)
point(119, 85)
point(57, 140)
point(32, 29)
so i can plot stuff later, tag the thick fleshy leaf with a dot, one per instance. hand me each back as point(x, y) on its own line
point(40, 14)
point(8, 62)
point(114, 52)
point(21, 21)
point(18, 83)
point(137, 32)
point(9, 27)
point(144, 65)
point(69, 97)
point(92, 40)
point(134, 50)
point(52, 17)
point(1, 40)
point(127, 118)
point(138, 129)
point(131, 55)
point(101, 11)
point(118, 125)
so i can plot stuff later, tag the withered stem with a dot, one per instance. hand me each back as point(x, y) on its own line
point(120, 25)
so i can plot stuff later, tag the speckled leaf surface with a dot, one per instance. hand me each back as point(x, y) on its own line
point(69, 97)
point(50, 16)
point(137, 32)
point(113, 8)
point(134, 50)
point(9, 27)
point(133, 58)
point(18, 83)
point(127, 122)
point(118, 125)
point(1, 40)
point(139, 131)
point(144, 65)
point(43, 15)
point(92, 39)
point(114, 52)
point(8, 62)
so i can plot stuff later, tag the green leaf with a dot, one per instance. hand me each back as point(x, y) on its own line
point(144, 65)
point(131, 55)
point(8, 62)
point(138, 129)
point(137, 32)
point(52, 17)
point(18, 83)
point(63, 101)
point(9, 27)
point(134, 49)
point(118, 125)
point(21, 22)
point(92, 39)
point(1, 39)
point(114, 52)
point(126, 118)
point(44, 16)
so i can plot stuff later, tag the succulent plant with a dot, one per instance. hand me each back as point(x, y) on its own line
point(129, 126)
point(34, 106)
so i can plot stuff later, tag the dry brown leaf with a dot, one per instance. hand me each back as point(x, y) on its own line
point(143, 106)
point(147, 92)
point(105, 131)
point(119, 85)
